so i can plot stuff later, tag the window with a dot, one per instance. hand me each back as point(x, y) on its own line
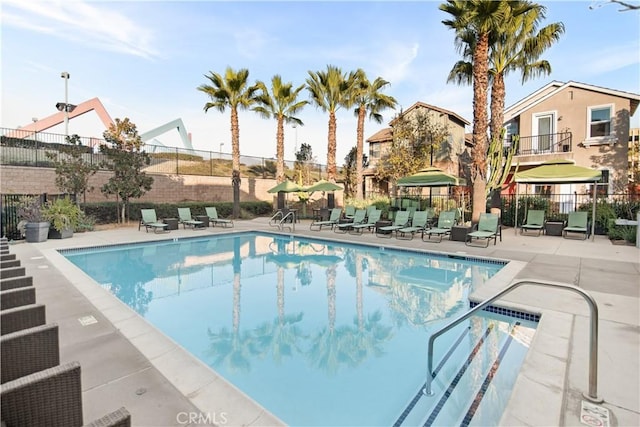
point(600, 121)
point(374, 151)
point(602, 187)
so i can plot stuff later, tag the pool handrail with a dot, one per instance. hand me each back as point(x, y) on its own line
point(592, 395)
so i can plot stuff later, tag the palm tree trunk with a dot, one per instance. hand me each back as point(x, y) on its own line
point(498, 93)
point(359, 154)
point(331, 148)
point(280, 151)
point(235, 153)
point(480, 125)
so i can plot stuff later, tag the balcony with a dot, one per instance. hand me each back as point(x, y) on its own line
point(554, 143)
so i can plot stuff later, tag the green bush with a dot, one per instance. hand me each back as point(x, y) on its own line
point(106, 212)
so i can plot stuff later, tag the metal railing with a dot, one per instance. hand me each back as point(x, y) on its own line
point(28, 148)
point(592, 395)
point(543, 144)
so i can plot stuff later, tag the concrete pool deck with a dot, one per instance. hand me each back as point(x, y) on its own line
point(125, 362)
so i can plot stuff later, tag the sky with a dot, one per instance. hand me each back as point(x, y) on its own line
point(145, 59)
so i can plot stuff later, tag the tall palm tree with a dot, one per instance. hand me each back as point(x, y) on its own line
point(282, 103)
point(231, 90)
point(481, 17)
point(330, 90)
point(368, 98)
point(517, 47)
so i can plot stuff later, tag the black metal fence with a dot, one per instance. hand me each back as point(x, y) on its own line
point(544, 144)
point(28, 148)
point(9, 217)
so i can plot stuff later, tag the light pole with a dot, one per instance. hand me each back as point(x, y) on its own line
point(35, 130)
point(221, 144)
point(66, 77)
point(295, 147)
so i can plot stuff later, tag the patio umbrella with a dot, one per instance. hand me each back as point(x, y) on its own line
point(286, 187)
point(431, 177)
point(323, 185)
point(560, 172)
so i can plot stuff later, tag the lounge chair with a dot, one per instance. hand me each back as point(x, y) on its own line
point(446, 220)
point(372, 217)
point(358, 218)
point(333, 220)
point(212, 213)
point(418, 224)
point(187, 220)
point(488, 228)
point(400, 221)
point(349, 212)
point(534, 223)
point(150, 220)
point(578, 222)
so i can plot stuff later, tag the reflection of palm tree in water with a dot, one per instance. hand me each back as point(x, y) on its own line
point(349, 344)
point(280, 337)
point(233, 348)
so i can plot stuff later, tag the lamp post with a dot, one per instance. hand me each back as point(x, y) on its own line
point(35, 130)
point(66, 77)
point(221, 145)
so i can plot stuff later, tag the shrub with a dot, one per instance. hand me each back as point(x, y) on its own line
point(63, 214)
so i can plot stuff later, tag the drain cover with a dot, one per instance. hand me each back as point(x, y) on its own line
point(594, 415)
point(87, 320)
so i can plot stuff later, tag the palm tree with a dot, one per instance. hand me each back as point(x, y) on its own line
point(231, 90)
point(282, 103)
point(368, 98)
point(481, 18)
point(330, 90)
point(517, 47)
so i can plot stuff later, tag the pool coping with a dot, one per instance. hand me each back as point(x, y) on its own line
point(212, 394)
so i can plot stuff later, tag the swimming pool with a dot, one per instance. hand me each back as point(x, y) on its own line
point(322, 333)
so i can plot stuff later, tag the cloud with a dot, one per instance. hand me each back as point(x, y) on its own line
point(395, 61)
point(93, 25)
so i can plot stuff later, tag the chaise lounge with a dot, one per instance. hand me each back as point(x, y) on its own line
point(150, 220)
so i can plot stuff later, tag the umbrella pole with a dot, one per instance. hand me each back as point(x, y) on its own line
point(593, 216)
point(516, 218)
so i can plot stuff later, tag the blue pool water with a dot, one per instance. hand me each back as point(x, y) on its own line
point(322, 333)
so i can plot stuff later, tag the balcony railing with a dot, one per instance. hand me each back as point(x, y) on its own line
point(543, 144)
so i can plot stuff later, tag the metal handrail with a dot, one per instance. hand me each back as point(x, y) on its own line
point(274, 221)
point(292, 216)
point(593, 335)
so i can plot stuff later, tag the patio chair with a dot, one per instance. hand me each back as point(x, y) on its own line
point(185, 218)
point(358, 218)
point(534, 223)
point(446, 220)
point(488, 228)
point(150, 220)
point(578, 222)
point(419, 223)
point(400, 221)
point(372, 217)
point(52, 397)
point(12, 298)
point(19, 318)
point(349, 212)
point(16, 282)
point(333, 220)
point(212, 213)
point(27, 351)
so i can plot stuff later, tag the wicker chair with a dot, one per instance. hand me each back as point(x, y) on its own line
point(16, 319)
point(18, 297)
point(28, 351)
point(16, 282)
point(6, 273)
point(52, 397)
